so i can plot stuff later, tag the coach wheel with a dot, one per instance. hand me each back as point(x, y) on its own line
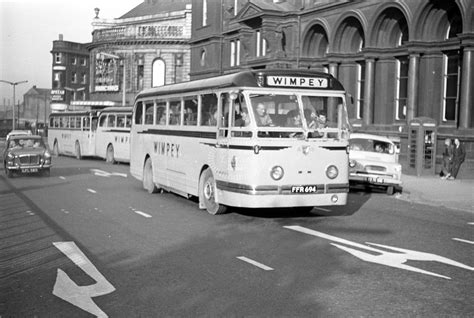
point(55, 149)
point(109, 155)
point(77, 151)
point(148, 183)
point(390, 190)
point(207, 194)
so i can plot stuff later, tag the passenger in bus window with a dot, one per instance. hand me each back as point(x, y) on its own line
point(160, 116)
point(293, 118)
point(189, 117)
point(212, 120)
point(263, 119)
point(244, 119)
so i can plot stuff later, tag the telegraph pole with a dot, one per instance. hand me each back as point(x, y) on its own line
point(14, 84)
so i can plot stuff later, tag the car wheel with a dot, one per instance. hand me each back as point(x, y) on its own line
point(148, 183)
point(109, 154)
point(390, 190)
point(207, 193)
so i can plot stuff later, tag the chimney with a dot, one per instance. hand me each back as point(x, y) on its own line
point(60, 37)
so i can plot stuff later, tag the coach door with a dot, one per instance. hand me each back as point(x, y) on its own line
point(222, 153)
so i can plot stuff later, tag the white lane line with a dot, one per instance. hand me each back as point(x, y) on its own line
point(470, 223)
point(124, 175)
point(143, 214)
point(322, 209)
point(91, 191)
point(62, 178)
point(250, 261)
point(464, 241)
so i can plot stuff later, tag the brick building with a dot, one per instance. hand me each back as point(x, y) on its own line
point(398, 59)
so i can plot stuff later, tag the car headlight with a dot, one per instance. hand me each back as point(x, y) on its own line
point(332, 172)
point(277, 173)
point(10, 156)
point(352, 163)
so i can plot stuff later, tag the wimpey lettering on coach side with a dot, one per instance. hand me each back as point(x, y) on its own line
point(292, 81)
point(167, 149)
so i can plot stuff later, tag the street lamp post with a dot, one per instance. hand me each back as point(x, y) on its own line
point(14, 84)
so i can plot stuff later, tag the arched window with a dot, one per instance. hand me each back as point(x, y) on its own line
point(158, 73)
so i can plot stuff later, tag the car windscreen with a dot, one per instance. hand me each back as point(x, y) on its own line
point(371, 145)
point(26, 143)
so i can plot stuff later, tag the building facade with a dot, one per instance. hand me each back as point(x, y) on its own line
point(70, 73)
point(36, 106)
point(146, 47)
point(398, 59)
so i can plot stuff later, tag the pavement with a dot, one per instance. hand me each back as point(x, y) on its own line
point(431, 190)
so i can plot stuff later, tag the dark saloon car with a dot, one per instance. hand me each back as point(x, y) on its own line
point(26, 154)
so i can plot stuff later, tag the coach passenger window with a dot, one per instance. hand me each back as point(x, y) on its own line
point(149, 106)
point(78, 122)
point(72, 122)
point(209, 110)
point(120, 121)
point(139, 113)
point(111, 121)
point(160, 112)
point(175, 113)
point(128, 121)
point(86, 122)
point(102, 120)
point(190, 110)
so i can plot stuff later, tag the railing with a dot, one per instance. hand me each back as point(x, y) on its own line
point(140, 32)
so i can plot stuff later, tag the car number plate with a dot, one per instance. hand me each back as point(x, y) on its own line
point(28, 170)
point(304, 189)
point(375, 180)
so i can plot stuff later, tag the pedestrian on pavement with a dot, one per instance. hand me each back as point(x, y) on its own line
point(459, 155)
point(447, 159)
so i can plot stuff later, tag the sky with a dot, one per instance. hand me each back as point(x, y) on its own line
point(28, 29)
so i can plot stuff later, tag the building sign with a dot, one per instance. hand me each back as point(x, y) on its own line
point(296, 81)
point(57, 95)
point(106, 77)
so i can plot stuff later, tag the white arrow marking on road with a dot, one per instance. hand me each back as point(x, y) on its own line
point(255, 263)
point(464, 241)
point(391, 259)
point(102, 173)
point(91, 191)
point(80, 296)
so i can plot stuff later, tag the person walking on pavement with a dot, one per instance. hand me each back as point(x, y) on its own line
point(459, 154)
point(447, 159)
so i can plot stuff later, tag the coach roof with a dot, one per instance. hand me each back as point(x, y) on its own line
point(240, 79)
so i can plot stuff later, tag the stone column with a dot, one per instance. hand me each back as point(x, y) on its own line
point(413, 69)
point(369, 94)
point(333, 69)
point(467, 87)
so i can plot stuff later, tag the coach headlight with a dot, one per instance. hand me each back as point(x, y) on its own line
point(332, 172)
point(277, 173)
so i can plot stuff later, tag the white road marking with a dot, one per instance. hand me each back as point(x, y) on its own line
point(322, 209)
point(124, 175)
point(470, 223)
point(461, 240)
point(102, 173)
point(91, 191)
point(143, 214)
point(391, 259)
point(62, 178)
point(80, 296)
point(255, 263)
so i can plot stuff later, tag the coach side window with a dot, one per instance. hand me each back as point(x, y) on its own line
point(190, 110)
point(128, 121)
point(102, 120)
point(160, 112)
point(121, 121)
point(139, 113)
point(111, 121)
point(175, 113)
point(209, 110)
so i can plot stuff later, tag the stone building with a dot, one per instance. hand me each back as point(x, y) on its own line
point(398, 59)
point(146, 47)
point(36, 106)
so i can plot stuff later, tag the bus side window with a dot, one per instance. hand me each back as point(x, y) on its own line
point(86, 122)
point(160, 112)
point(78, 122)
point(72, 122)
point(139, 113)
point(120, 121)
point(94, 124)
point(128, 121)
point(209, 110)
point(149, 108)
point(111, 121)
point(190, 110)
point(175, 113)
point(102, 120)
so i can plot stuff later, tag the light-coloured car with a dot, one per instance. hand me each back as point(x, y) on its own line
point(26, 154)
point(373, 160)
